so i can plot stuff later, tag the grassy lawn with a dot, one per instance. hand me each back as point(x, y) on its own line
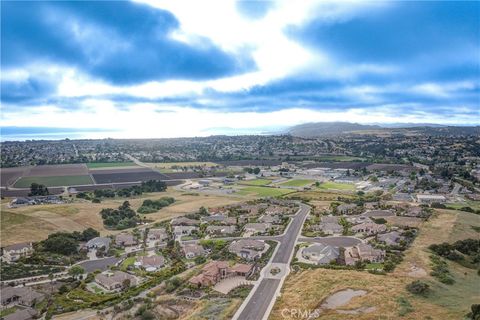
point(263, 191)
point(7, 311)
point(256, 182)
point(336, 186)
point(475, 205)
point(374, 266)
point(296, 183)
point(53, 181)
point(127, 262)
point(101, 165)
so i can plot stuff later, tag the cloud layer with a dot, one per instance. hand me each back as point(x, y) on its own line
point(204, 66)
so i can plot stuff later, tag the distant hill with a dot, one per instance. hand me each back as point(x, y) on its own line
point(325, 129)
point(319, 129)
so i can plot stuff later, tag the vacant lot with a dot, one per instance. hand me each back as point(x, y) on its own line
point(256, 182)
point(102, 165)
point(263, 191)
point(307, 289)
point(54, 181)
point(319, 195)
point(296, 183)
point(329, 185)
point(35, 223)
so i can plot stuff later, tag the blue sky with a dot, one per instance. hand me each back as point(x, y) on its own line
point(175, 68)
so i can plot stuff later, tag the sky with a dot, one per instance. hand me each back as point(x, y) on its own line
point(154, 69)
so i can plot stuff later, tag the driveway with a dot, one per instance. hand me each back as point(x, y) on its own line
point(226, 285)
point(100, 264)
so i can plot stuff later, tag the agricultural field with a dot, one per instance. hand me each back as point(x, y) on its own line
point(330, 185)
point(256, 182)
point(53, 181)
point(172, 165)
point(103, 165)
point(34, 223)
point(128, 176)
point(340, 158)
point(296, 183)
point(263, 191)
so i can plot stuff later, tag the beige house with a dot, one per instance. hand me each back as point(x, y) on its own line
point(115, 280)
point(16, 251)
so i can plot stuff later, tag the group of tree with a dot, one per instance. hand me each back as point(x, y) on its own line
point(252, 170)
point(146, 186)
point(150, 206)
point(459, 250)
point(65, 243)
point(38, 190)
point(122, 218)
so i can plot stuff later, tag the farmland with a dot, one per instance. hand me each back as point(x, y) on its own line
point(336, 186)
point(263, 191)
point(102, 165)
point(54, 181)
point(296, 183)
point(128, 176)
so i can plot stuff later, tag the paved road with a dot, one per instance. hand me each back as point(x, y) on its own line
point(100, 264)
point(258, 305)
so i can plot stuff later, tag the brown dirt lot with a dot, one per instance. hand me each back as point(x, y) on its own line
point(307, 289)
point(34, 223)
point(9, 175)
point(57, 170)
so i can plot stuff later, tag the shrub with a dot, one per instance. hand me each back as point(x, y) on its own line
point(418, 287)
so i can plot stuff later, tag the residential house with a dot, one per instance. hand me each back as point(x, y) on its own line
point(99, 242)
point(215, 271)
point(378, 213)
point(390, 238)
point(330, 219)
point(24, 296)
point(180, 231)
point(150, 263)
point(274, 210)
point(257, 228)
point(125, 240)
point(321, 253)
point(369, 228)
point(331, 228)
point(363, 252)
point(221, 230)
point(115, 280)
point(157, 236)
point(248, 249)
point(430, 198)
point(184, 221)
point(22, 314)
point(273, 219)
point(14, 252)
point(347, 208)
point(193, 250)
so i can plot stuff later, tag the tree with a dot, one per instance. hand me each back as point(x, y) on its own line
point(126, 284)
point(38, 190)
point(256, 170)
point(75, 271)
point(61, 243)
point(418, 287)
point(89, 234)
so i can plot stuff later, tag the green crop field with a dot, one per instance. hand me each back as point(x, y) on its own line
point(336, 186)
point(296, 183)
point(256, 182)
point(101, 165)
point(53, 181)
point(263, 191)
